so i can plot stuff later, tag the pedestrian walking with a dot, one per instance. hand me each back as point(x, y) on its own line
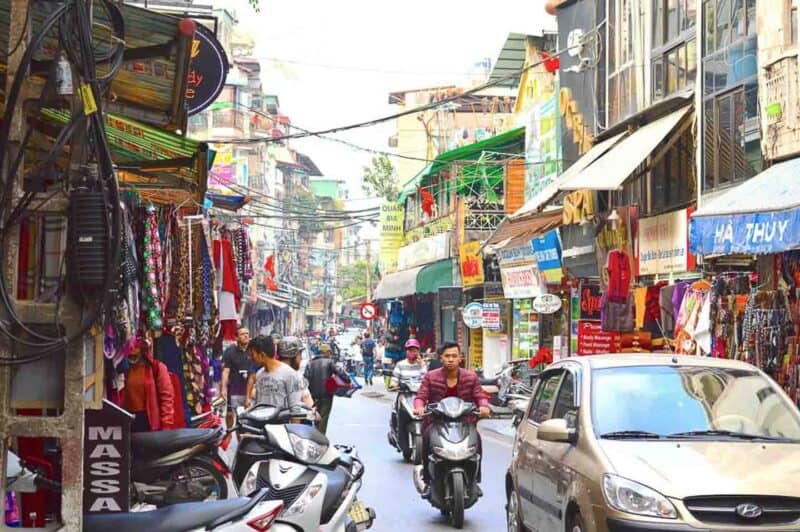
point(236, 366)
point(318, 372)
point(276, 383)
point(368, 346)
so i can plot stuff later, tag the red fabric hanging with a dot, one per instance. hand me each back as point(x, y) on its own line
point(427, 201)
point(269, 266)
point(230, 283)
point(271, 284)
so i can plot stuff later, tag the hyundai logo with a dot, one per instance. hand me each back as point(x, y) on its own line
point(749, 511)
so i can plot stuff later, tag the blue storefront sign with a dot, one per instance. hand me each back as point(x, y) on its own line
point(547, 249)
point(754, 233)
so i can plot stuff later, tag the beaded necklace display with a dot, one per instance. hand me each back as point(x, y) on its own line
point(153, 288)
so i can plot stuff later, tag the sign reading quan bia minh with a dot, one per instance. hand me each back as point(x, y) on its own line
point(208, 68)
point(471, 264)
point(664, 244)
point(391, 221)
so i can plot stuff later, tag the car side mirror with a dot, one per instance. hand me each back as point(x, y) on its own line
point(556, 430)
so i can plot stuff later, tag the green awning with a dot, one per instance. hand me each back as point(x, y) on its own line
point(434, 276)
point(499, 143)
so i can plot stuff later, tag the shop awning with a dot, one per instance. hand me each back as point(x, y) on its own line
point(546, 195)
point(398, 284)
point(435, 275)
point(611, 170)
point(272, 301)
point(525, 228)
point(762, 215)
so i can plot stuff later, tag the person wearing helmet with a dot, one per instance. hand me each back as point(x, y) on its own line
point(290, 352)
point(412, 367)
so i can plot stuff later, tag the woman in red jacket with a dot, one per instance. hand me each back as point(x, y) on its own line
point(148, 393)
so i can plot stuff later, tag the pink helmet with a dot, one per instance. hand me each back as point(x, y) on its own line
point(412, 342)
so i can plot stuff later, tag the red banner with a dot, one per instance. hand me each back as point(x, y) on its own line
point(593, 340)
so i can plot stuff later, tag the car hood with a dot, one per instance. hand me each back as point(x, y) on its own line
point(687, 468)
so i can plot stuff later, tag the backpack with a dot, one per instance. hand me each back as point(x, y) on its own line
point(368, 348)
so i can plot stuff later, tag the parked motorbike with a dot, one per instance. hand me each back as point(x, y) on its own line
point(454, 459)
point(244, 514)
point(519, 405)
point(174, 466)
point(405, 427)
point(500, 388)
point(317, 482)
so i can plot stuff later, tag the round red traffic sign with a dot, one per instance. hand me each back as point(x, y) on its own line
point(369, 311)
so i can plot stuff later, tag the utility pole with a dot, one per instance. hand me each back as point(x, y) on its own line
point(369, 282)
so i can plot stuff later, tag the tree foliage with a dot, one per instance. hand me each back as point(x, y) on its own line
point(354, 280)
point(380, 179)
point(303, 208)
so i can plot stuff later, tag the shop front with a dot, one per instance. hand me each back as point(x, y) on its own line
point(752, 315)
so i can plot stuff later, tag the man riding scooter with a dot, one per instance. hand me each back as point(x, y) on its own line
point(448, 381)
point(404, 428)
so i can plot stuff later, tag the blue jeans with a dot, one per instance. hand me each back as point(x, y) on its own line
point(369, 367)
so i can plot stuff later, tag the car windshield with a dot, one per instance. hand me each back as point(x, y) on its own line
point(690, 402)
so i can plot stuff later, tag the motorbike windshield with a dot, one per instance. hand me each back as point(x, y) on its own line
point(453, 407)
point(454, 431)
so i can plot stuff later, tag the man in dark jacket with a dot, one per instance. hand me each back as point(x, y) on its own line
point(317, 373)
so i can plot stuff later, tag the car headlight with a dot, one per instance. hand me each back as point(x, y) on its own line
point(307, 450)
point(299, 506)
point(455, 452)
point(634, 498)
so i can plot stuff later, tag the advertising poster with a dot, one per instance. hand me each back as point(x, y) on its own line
point(491, 316)
point(593, 340)
point(391, 224)
point(471, 264)
point(663, 244)
point(547, 249)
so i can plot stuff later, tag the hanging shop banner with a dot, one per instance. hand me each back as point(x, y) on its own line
point(473, 315)
point(391, 221)
point(590, 301)
point(664, 244)
point(425, 251)
point(471, 264)
point(519, 254)
point(543, 147)
point(222, 172)
point(547, 249)
point(593, 340)
point(491, 316)
point(521, 281)
point(754, 233)
point(106, 460)
point(547, 304)
point(208, 68)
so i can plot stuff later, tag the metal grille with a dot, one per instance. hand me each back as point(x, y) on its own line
point(288, 495)
point(780, 99)
point(722, 510)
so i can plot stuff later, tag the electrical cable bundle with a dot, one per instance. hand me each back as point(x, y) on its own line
point(71, 21)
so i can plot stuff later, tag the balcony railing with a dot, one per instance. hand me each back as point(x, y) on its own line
point(477, 220)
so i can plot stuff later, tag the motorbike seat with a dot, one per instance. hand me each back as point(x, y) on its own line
point(338, 483)
point(175, 518)
point(164, 442)
point(489, 382)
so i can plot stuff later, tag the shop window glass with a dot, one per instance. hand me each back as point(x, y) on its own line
point(710, 145)
point(658, 23)
point(710, 24)
point(723, 28)
point(672, 19)
point(724, 138)
point(690, 16)
point(658, 79)
point(691, 61)
point(738, 20)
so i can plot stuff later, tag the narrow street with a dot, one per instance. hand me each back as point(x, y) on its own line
point(388, 486)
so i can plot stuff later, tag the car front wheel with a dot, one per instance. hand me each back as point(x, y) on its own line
point(512, 513)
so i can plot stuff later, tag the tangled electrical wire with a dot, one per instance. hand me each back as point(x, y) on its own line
point(71, 22)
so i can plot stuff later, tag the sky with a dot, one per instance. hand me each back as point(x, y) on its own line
point(334, 63)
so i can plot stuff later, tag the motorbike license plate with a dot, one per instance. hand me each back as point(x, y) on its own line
point(358, 512)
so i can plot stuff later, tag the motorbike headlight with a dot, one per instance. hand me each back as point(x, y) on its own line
point(301, 504)
point(307, 450)
point(634, 498)
point(456, 451)
point(250, 482)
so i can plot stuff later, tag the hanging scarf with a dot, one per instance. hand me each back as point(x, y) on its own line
point(153, 302)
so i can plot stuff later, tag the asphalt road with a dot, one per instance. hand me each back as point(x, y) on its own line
point(388, 486)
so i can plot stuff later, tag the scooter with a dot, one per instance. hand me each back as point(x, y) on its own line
point(317, 482)
point(244, 514)
point(454, 459)
point(174, 466)
point(405, 427)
